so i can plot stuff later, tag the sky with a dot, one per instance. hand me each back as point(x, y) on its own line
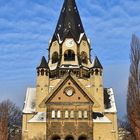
point(26, 26)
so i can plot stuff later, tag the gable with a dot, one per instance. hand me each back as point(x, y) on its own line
point(69, 92)
point(58, 94)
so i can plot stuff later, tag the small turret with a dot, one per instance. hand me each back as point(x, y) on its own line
point(43, 64)
point(42, 88)
point(97, 63)
point(97, 82)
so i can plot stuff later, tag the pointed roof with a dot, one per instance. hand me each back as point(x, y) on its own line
point(69, 20)
point(97, 63)
point(43, 63)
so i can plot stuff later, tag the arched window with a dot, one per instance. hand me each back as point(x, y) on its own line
point(84, 57)
point(54, 57)
point(72, 114)
point(58, 114)
point(66, 114)
point(69, 55)
point(42, 72)
point(96, 72)
point(85, 114)
point(80, 114)
point(53, 114)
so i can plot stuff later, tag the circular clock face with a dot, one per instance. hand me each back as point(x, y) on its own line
point(69, 91)
point(69, 43)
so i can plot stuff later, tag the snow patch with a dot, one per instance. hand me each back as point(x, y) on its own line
point(39, 117)
point(92, 64)
point(50, 41)
point(60, 41)
point(101, 120)
point(88, 86)
point(29, 103)
point(51, 88)
point(81, 35)
point(70, 66)
point(112, 109)
point(53, 66)
point(88, 40)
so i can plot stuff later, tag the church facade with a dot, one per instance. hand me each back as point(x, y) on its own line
point(69, 101)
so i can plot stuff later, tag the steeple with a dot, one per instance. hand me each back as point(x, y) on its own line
point(43, 82)
point(69, 21)
point(97, 63)
point(69, 48)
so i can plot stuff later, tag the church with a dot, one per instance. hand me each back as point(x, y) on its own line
point(69, 101)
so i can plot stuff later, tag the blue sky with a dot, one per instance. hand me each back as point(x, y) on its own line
point(26, 26)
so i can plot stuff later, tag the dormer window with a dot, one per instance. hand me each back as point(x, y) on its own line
point(54, 57)
point(69, 55)
point(84, 58)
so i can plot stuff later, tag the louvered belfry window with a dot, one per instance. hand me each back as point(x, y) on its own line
point(69, 55)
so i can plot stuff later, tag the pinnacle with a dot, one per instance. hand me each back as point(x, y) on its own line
point(43, 63)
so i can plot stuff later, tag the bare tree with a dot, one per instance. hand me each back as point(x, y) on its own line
point(125, 129)
point(10, 120)
point(133, 95)
point(3, 122)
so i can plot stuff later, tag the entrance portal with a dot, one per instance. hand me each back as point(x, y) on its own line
point(82, 138)
point(69, 138)
point(56, 138)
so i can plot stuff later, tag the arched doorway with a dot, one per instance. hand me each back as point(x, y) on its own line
point(82, 138)
point(69, 138)
point(56, 137)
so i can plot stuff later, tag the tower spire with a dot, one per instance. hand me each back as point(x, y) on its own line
point(69, 21)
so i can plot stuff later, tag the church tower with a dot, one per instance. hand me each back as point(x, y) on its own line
point(69, 47)
point(42, 87)
point(69, 101)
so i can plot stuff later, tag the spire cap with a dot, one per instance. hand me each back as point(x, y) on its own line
point(69, 20)
point(43, 63)
point(96, 63)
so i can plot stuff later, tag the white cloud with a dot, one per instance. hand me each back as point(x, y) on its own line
point(26, 27)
